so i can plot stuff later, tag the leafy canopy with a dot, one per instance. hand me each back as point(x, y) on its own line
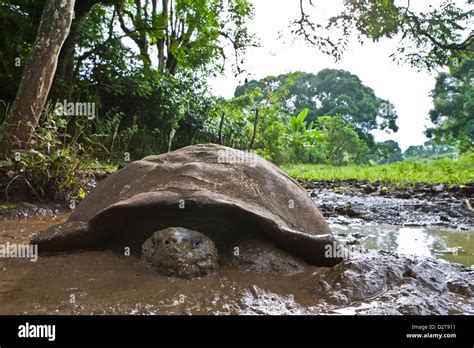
point(453, 111)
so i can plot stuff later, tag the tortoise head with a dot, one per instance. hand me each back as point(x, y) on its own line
point(180, 252)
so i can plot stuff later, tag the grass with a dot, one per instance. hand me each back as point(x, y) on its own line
point(446, 171)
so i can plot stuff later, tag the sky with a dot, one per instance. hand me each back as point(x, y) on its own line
point(407, 88)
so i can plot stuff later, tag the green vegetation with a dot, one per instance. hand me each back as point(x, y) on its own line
point(144, 66)
point(430, 150)
point(54, 170)
point(428, 39)
point(311, 118)
point(453, 112)
point(329, 92)
point(404, 173)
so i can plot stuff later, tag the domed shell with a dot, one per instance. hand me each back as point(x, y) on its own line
point(225, 193)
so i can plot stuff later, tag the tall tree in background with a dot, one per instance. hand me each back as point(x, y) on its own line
point(429, 150)
point(340, 143)
point(453, 112)
point(37, 75)
point(389, 152)
point(330, 92)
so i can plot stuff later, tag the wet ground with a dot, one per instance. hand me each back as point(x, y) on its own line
point(428, 205)
point(403, 260)
point(431, 241)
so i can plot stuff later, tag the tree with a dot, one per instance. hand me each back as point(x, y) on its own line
point(165, 91)
point(189, 39)
point(340, 143)
point(241, 117)
point(428, 150)
point(453, 112)
point(38, 74)
point(186, 34)
point(19, 20)
point(388, 152)
point(64, 79)
point(330, 92)
point(437, 37)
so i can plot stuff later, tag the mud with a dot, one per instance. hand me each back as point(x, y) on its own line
point(421, 205)
point(406, 248)
point(24, 210)
point(105, 283)
point(253, 278)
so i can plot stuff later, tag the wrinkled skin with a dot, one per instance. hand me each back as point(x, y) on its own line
point(180, 252)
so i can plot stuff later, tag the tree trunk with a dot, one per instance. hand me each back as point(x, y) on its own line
point(63, 82)
point(38, 74)
point(254, 135)
point(221, 124)
point(161, 42)
point(172, 134)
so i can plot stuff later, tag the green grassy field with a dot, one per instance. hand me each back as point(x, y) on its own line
point(445, 171)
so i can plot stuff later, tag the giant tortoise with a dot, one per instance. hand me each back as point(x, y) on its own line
point(185, 200)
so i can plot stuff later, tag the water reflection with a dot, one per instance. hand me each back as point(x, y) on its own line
point(414, 241)
point(439, 242)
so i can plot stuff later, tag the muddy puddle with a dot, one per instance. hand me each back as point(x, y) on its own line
point(431, 241)
point(404, 279)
